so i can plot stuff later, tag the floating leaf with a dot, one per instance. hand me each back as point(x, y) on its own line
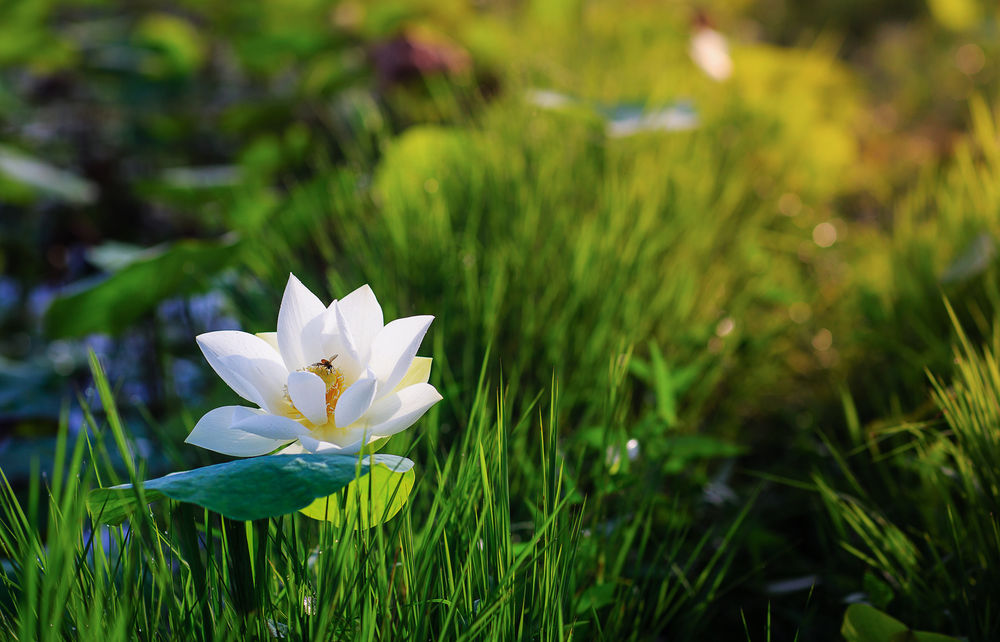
point(379, 494)
point(624, 119)
point(126, 296)
point(627, 120)
point(246, 489)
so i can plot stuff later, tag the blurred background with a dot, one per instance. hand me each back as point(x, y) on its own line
point(725, 228)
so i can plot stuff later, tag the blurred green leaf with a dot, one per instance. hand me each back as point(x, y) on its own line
point(46, 178)
point(957, 15)
point(129, 294)
point(177, 47)
point(112, 256)
point(25, 35)
point(879, 593)
point(669, 383)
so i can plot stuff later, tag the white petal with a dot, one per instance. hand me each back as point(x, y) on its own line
point(363, 316)
point(313, 445)
point(308, 393)
point(272, 427)
point(353, 440)
point(400, 410)
point(216, 431)
point(271, 338)
point(330, 447)
point(300, 325)
point(295, 448)
point(355, 401)
point(394, 348)
point(419, 372)
point(337, 340)
point(352, 448)
point(247, 364)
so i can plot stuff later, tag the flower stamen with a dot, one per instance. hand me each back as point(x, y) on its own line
point(334, 380)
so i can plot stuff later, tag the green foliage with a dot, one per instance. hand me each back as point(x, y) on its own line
point(942, 554)
point(452, 560)
point(25, 36)
point(175, 45)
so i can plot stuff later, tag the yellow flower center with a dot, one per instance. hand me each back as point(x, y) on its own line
point(334, 380)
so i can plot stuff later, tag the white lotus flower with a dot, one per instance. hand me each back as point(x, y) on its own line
point(330, 379)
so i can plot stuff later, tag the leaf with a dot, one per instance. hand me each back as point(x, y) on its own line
point(879, 593)
point(112, 256)
point(666, 401)
point(245, 489)
point(177, 47)
point(379, 494)
point(669, 383)
point(134, 291)
point(865, 623)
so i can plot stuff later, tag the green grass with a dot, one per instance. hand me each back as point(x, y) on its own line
point(935, 548)
point(452, 565)
point(793, 408)
point(582, 301)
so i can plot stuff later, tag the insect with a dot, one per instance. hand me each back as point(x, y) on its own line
point(326, 364)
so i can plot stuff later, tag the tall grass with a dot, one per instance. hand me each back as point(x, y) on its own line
point(934, 548)
point(452, 565)
point(631, 335)
point(605, 284)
